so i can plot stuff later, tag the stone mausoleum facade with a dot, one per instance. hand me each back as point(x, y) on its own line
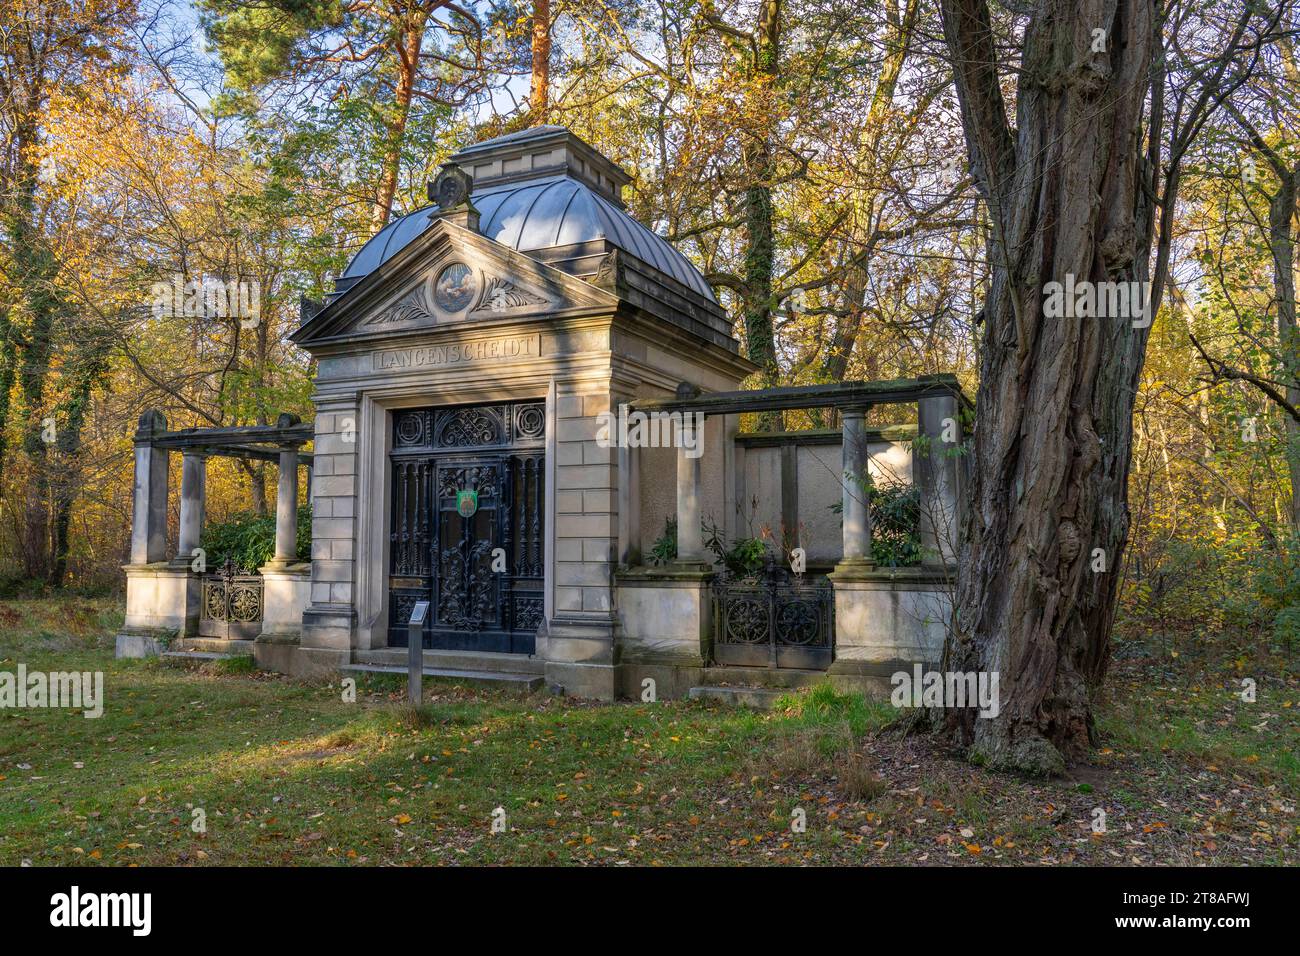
point(468, 359)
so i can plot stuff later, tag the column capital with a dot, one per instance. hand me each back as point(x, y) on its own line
point(152, 423)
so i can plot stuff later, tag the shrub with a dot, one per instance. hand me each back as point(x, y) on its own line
point(249, 540)
point(895, 520)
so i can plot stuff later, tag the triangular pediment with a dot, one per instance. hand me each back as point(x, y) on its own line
point(450, 276)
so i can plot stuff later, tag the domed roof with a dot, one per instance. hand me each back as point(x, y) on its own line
point(539, 214)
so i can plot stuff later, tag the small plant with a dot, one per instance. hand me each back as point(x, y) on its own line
point(664, 549)
point(743, 559)
point(859, 779)
point(895, 519)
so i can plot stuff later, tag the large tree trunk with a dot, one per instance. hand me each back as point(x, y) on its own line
point(408, 66)
point(539, 90)
point(1052, 444)
point(1281, 242)
point(760, 240)
point(67, 481)
point(35, 270)
point(901, 17)
point(8, 366)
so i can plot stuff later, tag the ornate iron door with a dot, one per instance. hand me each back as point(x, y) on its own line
point(467, 526)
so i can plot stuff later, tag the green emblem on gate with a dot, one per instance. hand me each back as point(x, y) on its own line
point(466, 502)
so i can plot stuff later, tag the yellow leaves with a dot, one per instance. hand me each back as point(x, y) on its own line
point(402, 819)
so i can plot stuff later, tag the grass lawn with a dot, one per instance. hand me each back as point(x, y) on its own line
point(286, 772)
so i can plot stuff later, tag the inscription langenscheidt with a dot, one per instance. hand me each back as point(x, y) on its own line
point(460, 353)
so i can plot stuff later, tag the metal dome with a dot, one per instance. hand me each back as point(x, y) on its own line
point(540, 214)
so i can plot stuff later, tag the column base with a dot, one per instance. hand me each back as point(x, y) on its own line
point(691, 566)
point(329, 627)
point(162, 597)
point(286, 592)
point(889, 615)
point(665, 614)
point(590, 681)
point(851, 568)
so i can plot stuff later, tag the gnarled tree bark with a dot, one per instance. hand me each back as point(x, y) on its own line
point(1080, 186)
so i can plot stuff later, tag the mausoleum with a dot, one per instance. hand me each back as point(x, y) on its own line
point(471, 360)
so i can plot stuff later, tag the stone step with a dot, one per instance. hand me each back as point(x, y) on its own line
point(738, 695)
point(485, 661)
point(772, 677)
point(214, 645)
point(201, 655)
point(500, 680)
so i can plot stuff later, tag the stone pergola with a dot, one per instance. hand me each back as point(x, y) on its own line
point(936, 397)
point(884, 618)
point(163, 592)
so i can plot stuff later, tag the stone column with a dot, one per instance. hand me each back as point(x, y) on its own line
point(161, 597)
point(935, 469)
point(629, 506)
point(690, 538)
point(194, 470)
point(286, 584)
point(856, 513)
point(286, 508)
point(149, 514)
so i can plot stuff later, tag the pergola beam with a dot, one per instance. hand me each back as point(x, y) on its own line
point(258, 442)
point(243, 451)
point(836, 395)
point(245, 435)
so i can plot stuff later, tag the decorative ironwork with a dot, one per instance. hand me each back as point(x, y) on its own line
point(773, 619)
point(442, 551)
point(530, 422)
point(527, 614)
point(469, 427)
point(230, 604)
point(410, 428)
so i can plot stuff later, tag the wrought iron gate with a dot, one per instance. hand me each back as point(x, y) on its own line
point(230, 604)
point(772, 619)
point(466, 482)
